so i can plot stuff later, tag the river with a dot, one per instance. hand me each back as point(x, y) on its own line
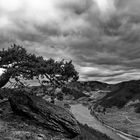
point(82, 114)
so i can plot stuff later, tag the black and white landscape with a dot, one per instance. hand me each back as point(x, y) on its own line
point(69, 69)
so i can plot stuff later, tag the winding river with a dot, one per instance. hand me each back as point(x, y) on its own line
point(82, 114)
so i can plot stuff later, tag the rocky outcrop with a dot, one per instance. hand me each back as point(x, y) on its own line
point(45, 114)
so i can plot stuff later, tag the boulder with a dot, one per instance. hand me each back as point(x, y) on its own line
point(45, 114)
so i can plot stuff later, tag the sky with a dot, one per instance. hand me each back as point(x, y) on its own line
point(102, 37)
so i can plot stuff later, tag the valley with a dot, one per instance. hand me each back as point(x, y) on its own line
point(117, 108)
point(100, 107)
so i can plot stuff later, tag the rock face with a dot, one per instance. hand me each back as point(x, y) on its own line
point(45, 114)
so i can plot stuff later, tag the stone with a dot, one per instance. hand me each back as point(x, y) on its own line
point(45, 114)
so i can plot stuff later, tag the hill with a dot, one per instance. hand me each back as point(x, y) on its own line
point(122, 93)
point(90, 85)
point(80, 88)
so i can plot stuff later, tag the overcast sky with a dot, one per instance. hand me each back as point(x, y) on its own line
point(102, 37)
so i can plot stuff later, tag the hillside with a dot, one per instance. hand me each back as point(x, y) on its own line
point(122, 93)
point(79, 88)
point(20, 128)
point(120, 108)
point(89, 85)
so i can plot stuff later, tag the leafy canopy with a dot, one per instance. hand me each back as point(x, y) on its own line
point(19, 63)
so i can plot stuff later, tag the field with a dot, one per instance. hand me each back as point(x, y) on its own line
point(124, 119)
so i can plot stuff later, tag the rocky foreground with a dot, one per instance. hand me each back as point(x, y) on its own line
point(26, 120)
point(45, 114)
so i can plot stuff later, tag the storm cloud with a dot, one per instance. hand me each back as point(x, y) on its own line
point(102, 37)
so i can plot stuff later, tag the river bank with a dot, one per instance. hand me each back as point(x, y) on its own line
point(117, 122)
point(96, 115)
point(83, 115)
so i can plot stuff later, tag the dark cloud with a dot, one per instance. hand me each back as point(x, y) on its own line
point(103, 75)
point(102, 39)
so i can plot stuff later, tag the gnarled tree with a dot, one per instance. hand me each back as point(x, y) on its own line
point(19, 63)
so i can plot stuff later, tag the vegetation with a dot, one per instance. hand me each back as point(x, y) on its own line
point(19, 64)
point(88, 133)
point(74, 92)
point(77, 89)
point(120, 107)
point(89, 85)
point(121, 94)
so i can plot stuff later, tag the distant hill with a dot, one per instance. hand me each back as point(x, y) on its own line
point(90, 85)
point(77, 89)
point(74, 92)
point(122, 93)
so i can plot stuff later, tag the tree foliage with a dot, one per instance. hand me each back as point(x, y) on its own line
point(19, 63)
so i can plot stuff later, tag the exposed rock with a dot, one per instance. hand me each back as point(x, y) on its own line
point(45, 114)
